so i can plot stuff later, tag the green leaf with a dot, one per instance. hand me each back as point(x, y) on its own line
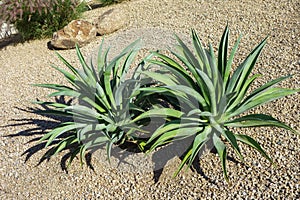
point(221, 149)
point(65, 127)
point(254, 120)
point(163, 112)
point(267, 96)
point(169, 126)
point(202, 59)
point(53, 86)
point(212, 92)
point(265, 87)
point(188, 54)
point(82, 153)
point(189, 91)
point(176, 134)
point(184, 161)
point(65, 144)
point(226, 76)
point(241, 94)
point(199, 142)
point(91, 77)
point(230, 137)
point(166, 79)
point(251, 142)
point(222, 52)
point(243, 71)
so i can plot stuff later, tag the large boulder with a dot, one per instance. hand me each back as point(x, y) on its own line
point(111, 21)
point(78, 32)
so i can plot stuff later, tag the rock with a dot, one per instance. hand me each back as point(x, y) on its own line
point(76, 32)
point(110, 21)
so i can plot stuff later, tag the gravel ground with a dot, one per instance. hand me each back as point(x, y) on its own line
point(154, 22)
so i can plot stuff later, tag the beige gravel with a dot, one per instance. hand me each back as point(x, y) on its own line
point(154, 22)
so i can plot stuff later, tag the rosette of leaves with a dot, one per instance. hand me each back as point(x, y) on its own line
point(210, 99)
point(104, 112)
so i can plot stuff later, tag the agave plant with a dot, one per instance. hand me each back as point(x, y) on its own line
point(104, 112)
point(209, 100)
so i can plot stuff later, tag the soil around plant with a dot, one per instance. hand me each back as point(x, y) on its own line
point(154, 22)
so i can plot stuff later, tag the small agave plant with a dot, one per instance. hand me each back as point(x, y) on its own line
point(104, 112)
point(209, 100)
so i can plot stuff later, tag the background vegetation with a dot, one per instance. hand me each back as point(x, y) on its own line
point(36, 19)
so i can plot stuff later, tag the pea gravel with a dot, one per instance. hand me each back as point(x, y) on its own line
point(154, 22)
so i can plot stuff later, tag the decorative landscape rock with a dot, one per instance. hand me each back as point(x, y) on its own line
point(78, 32)
point(110, 21)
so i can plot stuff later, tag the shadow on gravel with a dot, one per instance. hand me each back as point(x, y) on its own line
point(41, 127)
point(10, 40)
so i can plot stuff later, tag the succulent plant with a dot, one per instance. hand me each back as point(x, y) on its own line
point(210, 99)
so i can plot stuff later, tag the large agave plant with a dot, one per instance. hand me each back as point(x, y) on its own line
point(209, 100)
point(104, 110)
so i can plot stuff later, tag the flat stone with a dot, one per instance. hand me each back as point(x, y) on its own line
point(111, 21)
point(78, 32)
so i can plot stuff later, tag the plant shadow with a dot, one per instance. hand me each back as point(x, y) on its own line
point(179, 150)
point(42, 127)
point(13, 39)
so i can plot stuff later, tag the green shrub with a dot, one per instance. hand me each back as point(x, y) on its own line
point(201, 101)
point(210, 100)
point(105, 113)
point(109, 2)
point(39, 19)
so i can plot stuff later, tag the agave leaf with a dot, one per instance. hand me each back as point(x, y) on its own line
point(189, 65)
point(251, 142)
point(265, 87)
point(187, 53)
point(170, 62)
point(212, 92)
point(166, 79)
point(182, 76)
point(70, 93)
point(58, 131)
point(108, 150)
point(53, 86)
point(230, 137)
point(70, 77)
point(122, 73)
point(226, 76)
point(222, 52)
point(257, 120)
point(89, 128)
point(184, 161)
point(67, 64)
point(94, 104)
point(175, 135)
point(240, 76)
point(216, 76)
point(65, 143)
point(53, 112)
point(82, 153)
point(91, 77)
point(221, 149)
point(240, 96)
point(83, 110)
point(202, 59)
point(169, 126)
point(98, 141)
point(265, 97)
point(162, 112)
point(190, 91)
point(199, 142)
